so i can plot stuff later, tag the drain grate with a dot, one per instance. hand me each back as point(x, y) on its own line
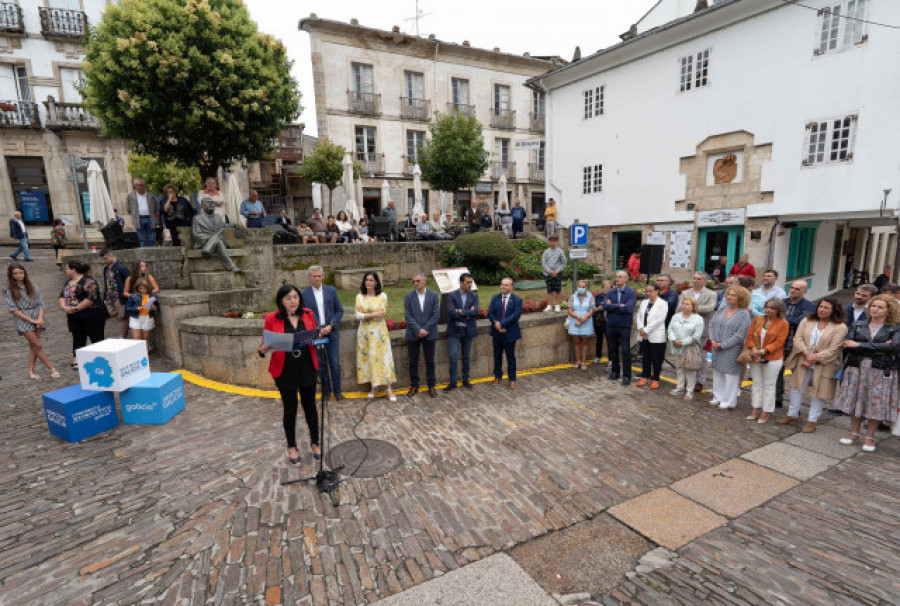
point(378, 458)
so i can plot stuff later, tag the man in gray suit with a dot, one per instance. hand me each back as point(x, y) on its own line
point(422, 309)
point(144, 211)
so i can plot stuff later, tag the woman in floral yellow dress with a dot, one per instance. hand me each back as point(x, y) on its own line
point(374, 360)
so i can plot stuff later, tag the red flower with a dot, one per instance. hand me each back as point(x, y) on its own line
point(390, 324)
point(232, 314)
point(529, 307)
point(482, 312)
point(401, 324)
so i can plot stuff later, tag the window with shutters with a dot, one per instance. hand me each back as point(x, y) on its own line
point(842, 25)
point(694, 71)
point(594, 104)
point(830, 140)
point(592, 179)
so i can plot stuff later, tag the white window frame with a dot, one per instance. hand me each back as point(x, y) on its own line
point(455, 88)
point(837, 31)
point(586, 180)
point(826, 140)
point(588, 97)
point(693, 70)
point(369, 136)
point(358, 82)
point(412, 137)
point(594, 101)
point(592, 179)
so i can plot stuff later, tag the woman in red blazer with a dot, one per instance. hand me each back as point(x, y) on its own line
point(296, 373)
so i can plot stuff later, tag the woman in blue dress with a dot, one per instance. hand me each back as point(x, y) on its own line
point(581, 322)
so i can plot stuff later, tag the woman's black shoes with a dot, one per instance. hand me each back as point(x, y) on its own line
point(293, 460)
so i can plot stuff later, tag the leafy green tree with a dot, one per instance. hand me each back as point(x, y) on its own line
point(325, 165)
point(157, 174)
point(454, 157)
point(189, 81)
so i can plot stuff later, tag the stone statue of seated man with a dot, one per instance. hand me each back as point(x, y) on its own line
point(207, 230)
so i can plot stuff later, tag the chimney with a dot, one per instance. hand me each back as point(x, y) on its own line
point(577, 55)
point(496, 49)
point(313, 16)
point(354, 21)
point(465, 43)
point(701, 4)
point(631, 33)
point(396, 29)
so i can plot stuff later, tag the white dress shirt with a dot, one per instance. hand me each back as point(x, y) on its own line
point(320, 303)
point(421, 296)
point(143, 206)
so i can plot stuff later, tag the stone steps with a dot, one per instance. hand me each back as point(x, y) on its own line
point(217, 280)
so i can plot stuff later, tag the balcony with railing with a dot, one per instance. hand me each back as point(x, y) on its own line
point(62, 22)
point(372, 164)
point(503, 168)
point(503, 118)
point(69, 116)
point(364, 103)
point(462, 108)
point(537, 122)
point(11, 18)
point(415, 109)
point(536, 172)
point(19, 114)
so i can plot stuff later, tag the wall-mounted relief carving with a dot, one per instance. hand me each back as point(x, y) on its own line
point(726, 169)
point(10, 43)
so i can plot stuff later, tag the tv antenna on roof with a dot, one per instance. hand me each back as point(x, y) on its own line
point(419, 15)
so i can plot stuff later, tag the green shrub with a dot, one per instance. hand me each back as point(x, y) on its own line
point(486, 249)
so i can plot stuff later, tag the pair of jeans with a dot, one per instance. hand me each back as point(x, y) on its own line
point(333, 349)
point(517, 227)
point(146, 233)
point(23, 248)
point(652, 356)
point(619, 337)
point(453, 346)
point(502, 346)
point(413, 347)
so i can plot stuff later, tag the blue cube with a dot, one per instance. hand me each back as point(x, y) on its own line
point(75, 414)
point(153, 401)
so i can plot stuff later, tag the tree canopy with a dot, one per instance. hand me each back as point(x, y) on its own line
point(325, 165)
point(454, 157)
point(189, 81)
point(158, 174)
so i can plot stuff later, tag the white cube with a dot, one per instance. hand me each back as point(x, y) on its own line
point(113, 364)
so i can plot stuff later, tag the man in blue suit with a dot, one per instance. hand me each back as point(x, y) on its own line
point(462, 309)
point(326, 306)
point(619, 308)
point(504, 314)
point(421, 307)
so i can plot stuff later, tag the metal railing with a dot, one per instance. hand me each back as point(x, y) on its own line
point(69, 116)
point(535, 171)
point(462, 108)
point(503, 168)
point(537, 122)
point(364, 103)
point(11, 18)
point(414, 109)
point(19, 114)
point(503, 118)
point(62, 22)
point(372, 164)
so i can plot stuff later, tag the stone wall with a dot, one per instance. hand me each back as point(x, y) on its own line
point(224, 350)
point(166, 263)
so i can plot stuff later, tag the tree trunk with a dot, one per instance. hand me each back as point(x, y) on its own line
point(330, 202)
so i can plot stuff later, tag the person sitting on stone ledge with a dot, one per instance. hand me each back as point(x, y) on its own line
point(437, 229)
point(333, 232)
point(424, 230)
point(307, 234)
point(208, 229)
point(317, 225)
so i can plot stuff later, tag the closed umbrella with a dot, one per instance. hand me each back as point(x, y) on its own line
point(359, 198)
point(385, 193)
point(233, 200)
point(317, 195)
point(101, 204)
point(347, 180)
point(418, 208)
point(501, 193)
point(443, 205)
point(522, 195)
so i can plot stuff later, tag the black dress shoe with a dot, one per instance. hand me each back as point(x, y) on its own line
point(340, 397)
point(626, 380)
point(613, 376)
point(432, 392)
point(294, 461)
point(467, 385)
point(450, 387)
point(412, 391)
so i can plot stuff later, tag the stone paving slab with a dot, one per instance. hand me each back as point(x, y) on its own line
point(496, 580)
point(790, 460)
point(734, 487)
point(825, 441)
point(666, 517)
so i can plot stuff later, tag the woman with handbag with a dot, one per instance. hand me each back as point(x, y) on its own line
point(651, 325)
point(579, 323)
point(869, 386)
point(814, 360)
point(685, 332)
point(765, 341)
point(727, 333)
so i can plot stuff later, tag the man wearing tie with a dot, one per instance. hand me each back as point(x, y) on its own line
point(504, 313)
point(462, 309)
point(328, 311)
point(619, 308)
point(422, 309)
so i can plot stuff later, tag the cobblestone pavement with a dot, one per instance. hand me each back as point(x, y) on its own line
point(192, 512)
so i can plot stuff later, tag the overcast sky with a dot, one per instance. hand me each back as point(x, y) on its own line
point(516, 26)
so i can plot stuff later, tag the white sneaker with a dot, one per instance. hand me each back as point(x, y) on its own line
point(556, 308)
point(724, 406)
point(714, 402)
point(548, 308)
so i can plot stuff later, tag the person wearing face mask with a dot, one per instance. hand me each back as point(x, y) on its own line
point(581, 325)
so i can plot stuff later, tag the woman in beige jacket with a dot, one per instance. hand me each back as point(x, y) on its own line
point(815, 359)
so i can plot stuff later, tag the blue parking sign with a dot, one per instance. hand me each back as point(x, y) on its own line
point(579, 234)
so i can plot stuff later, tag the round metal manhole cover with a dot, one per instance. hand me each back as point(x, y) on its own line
point(364, 458)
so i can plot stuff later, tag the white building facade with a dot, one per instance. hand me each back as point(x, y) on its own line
point(751, 126)
point(377, 91)
point(42, 120)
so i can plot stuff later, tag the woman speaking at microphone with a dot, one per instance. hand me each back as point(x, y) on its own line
point(295, 371)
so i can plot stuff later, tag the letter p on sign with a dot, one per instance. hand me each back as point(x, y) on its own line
point(579, 234)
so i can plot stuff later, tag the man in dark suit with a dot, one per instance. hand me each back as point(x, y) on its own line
point(856, 311)
point(797, 307)
point(422, 307)
point(619, 308)
point(328, 311)
point(668, 294)
point(504, 314)
point(462, 309)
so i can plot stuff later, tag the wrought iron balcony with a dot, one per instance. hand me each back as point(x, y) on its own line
point(62, 23)
point(372, 164)
point(414, 109)
point(536, 172)
point(69, 116)
point(11, 18)
point(503, 118)
point(503, 168)
point(364, 103)
point(19, 114)
point(462, 108)
point(537, 122)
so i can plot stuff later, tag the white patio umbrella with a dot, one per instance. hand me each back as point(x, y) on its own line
point(101, 204)
point(521, 196)
point(233, 199)
point(349, 186)
point(418, 208)
point(385, 193)
point(359, 198)
point(443, 205)
point(317, 195)
point(501, 192)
